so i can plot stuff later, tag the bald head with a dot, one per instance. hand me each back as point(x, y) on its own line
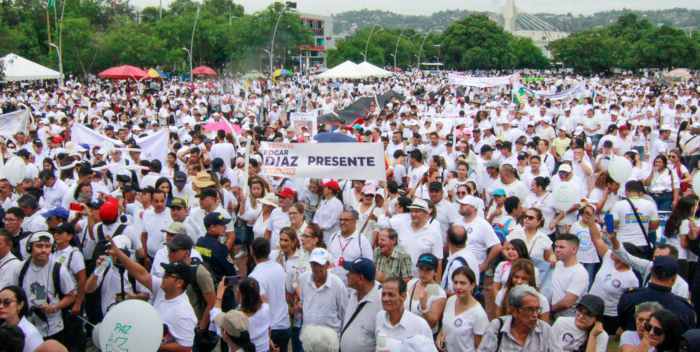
point(51, 346)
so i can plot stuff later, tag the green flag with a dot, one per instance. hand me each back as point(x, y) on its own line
point(52, 4)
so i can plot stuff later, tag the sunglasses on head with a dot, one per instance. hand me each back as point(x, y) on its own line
point(657, 331)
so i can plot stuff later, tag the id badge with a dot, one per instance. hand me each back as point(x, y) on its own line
point(340, 261)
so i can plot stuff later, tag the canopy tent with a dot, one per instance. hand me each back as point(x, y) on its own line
point(17, 68)
point(376, 71)
point(203, 70)
point(679, 73)
point(124, 72)
point(347, 69)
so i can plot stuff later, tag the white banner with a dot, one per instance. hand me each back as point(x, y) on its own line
point(13, 122)
point(153, 147)
point(355, 161)
point(521, 92)
point(310, 119)
point(483, 82)
point(82, 134)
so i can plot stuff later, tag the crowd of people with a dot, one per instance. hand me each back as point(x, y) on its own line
point(463, 247)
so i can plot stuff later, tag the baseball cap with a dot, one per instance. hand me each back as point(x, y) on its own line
point(694, 125)
point(57, 140)
point(499, 192)
point(176, 228)
point(207, 192)
point(565, 168)
point(23, 153)
point(332, 184)
point(186, 139)
point(37, 142)
point(594, 304)
point(319, 256)
point(57, 211)
point(419, 204)
point(109, 211)
point(233, 322)
point(435, 185)
point(215, 219)
point(665, 265)
point(97, 204)
point(180, 241)
point(578, 130)
point(180, 269)
point(399, 153)
point(131, 186)
point(286, 193)
point(362, 266)
point(217, 163)
point(624, 127)
point(428, 260)
point(493, 163)
point(690, 341)
point(63, 227)
point(665, 127)
point(470, 200)
point(180, 178)
point(178, 202)
point(368, 189)
point(41, 236)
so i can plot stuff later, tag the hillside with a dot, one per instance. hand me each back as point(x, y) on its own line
point(347, 22)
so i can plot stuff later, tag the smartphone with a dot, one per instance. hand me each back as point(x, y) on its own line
point(75, 207)
point(231, 281)
point(609, 223)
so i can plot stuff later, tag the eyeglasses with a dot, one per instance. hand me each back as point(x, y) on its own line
point(657, 331)
point(461, 193)
point(167, 275)
point(306, 236)
point(529, 217)
point(293, 213)
point(7, 302)
point(530, 310)
point(9, 220)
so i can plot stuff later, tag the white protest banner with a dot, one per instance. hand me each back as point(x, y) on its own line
point(355, 161)
point(13, 122)
point(483, 82)
point(309, 119)
point(155, 146)
point(521, 92)
point(82, 134)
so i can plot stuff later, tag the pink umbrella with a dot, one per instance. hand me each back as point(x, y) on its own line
point(203, 70)
point(215, 126)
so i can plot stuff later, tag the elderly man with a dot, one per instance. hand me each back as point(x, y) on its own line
point(323, 296)
point(420, 236)
point(522, 330)
point(391, 260)
point(348, 243)
point(394, 320)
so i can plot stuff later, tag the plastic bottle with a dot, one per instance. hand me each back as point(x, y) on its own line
point(381, 342)
point(105, 264)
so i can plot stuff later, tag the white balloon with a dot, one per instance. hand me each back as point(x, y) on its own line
point(566, 194)
point(696, 183)
point(96, 335)
point(620, 169)
point(132, 325)
point(15, 171)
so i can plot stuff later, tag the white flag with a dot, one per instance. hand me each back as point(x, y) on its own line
point(155, 147)
point(13, 122)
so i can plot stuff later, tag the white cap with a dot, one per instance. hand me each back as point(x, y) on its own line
point(578, 130)
point(186, 138)
point(487, 126)
point(470, 200)
point(695, 125)
point(136, 128)
point(319, 255)
point(565, 168)
point(665, 127)
point(514, 123)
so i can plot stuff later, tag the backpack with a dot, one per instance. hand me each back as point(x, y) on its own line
point(502, 230)
point(194, 266)
point(102, 242)
point(16, 244)
point(55, 276)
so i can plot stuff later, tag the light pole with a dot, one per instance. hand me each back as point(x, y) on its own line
point(268, 53)
point(189, 53)
point(363, 55)
point(192, 41)
point(396, 51)
point(370, 37)
point(421, 47)
point(394, 55)
point(438, 55)
point(272, 45)
point(60, 64)
point(417, 62)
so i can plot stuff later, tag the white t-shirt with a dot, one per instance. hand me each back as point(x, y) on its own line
point(537, 246)
point(459, 330)
point(587, 253)
point(176, 313)
point(259, 323)
point(480, 237)
point(153, 224)
point(412, 302)
point(425, 240)
point(573, 279)
point(547, 205)
point(275, 223)
point(631, 338)
point(77, 262)
point(271, 279)
point(610, 283)
point(32, 337)
point(628, 228)
point(415, 175)
point(129, 232)
point(566, 335)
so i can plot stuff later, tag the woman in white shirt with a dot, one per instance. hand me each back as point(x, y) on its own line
point(513, 250)
point(638, 340)
point(584, 331)
point(426, 298)
point(14, 310)
point(464, 321)
point(674, 163)
point(329, 209)
point(522, 272)
point(539, 245)
point(543, 200)
point(257, 337)
point(663, 184)
point(171, 167)
point(269, 203)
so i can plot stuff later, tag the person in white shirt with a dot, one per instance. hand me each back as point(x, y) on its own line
point(323, 295)
point(626, 224)
point(14, 313)
point(570, 278)
point(363, 306)
point(459, 257)
point(480, 235)
point(420, 236)
point(394, 320)
point(279, 218)
point(659, 145)
point(155, 220)
point(585, 328)
point(348, 243)
point(8, 262)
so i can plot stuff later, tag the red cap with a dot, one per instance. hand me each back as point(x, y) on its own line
point(109, 211)
point(331, 184)
point(286, 193)
point(57, 140)
point(623, 128)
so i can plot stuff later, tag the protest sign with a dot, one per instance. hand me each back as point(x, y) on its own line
point(357, 161)
point(13, 122)
point(309, 119)
point(483, 82)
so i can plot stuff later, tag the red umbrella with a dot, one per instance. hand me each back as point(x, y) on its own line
point(124, 72)
point(203, 70)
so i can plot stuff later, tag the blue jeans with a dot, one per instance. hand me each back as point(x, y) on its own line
point(595, 138)
point(664, 202)
point(281, 338)
point(592, 269)
point(296, 341)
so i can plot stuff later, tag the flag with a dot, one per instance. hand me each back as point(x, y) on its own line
point(13, 122)
point(52, 4)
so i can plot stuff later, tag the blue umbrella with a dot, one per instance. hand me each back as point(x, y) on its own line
point(329, 137)
point(336, 85)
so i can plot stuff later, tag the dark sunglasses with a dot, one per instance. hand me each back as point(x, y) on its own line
point(461, 193)
point(563, 173)
point(529, 217)
point(657, 331)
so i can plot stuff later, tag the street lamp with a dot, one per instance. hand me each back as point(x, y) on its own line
point(396, 51)
point(272, 45)
point(421, 46)
point(268, 53)
point(394, 55)
point(438, 55)
point(370, 37)
point(417, 62)
point(363, 55)
point(60, 64)
point(189, 53)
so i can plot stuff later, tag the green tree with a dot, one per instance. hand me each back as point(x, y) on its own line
point(590, 50)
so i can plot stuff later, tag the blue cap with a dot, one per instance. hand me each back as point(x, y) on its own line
point(97, 204)
point(499, 192)
point(665, 265)
point(428, 260)
point(57, 211)
point(362, 266)
point(215, 219)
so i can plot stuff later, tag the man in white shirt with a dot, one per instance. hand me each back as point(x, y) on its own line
point(323, 295)
point(223, 150)
point(459, 257)
point(659, 146)
point(8, 262)
point(626, 224)
point(279, 217)
point(348, 243)
point(420, 236)
point(570, 278)
point(54, 189)
point(397, 322)
point(482, 241)
point(362, 308)
point(447, 212)
point(155, 220)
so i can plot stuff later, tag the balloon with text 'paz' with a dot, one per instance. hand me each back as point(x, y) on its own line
point(566, 194)
point(132, 325)
point(15, 171)
point(696, 183)
point(96, 335)
point(620, 169)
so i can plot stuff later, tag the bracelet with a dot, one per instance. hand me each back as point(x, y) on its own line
point(424, 311)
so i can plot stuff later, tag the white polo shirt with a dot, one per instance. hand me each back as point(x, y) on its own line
point(453, 263)
point(409, 325)
point(8, 265)
point(350, 248)
point(446, 214)
point(277, 220)
point(176, 313)
point(425, 240)
point(480, 237)
point(360, 335)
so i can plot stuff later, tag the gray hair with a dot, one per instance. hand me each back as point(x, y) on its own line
point(518, 293)
point(317, 338)
point(647, 307)
point(28, 200)
point(84, 198)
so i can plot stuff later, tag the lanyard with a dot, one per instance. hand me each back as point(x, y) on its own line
point(342, 249)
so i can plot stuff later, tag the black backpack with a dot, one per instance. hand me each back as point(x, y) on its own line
point(16, 244)
point(102, 242)
point(55, 275)
point(194, 265)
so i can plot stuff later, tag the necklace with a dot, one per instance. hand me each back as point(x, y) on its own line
point(34, 266)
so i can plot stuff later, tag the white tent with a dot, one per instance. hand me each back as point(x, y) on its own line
point(347, 69)
point(376, 71)
point(17, 68)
